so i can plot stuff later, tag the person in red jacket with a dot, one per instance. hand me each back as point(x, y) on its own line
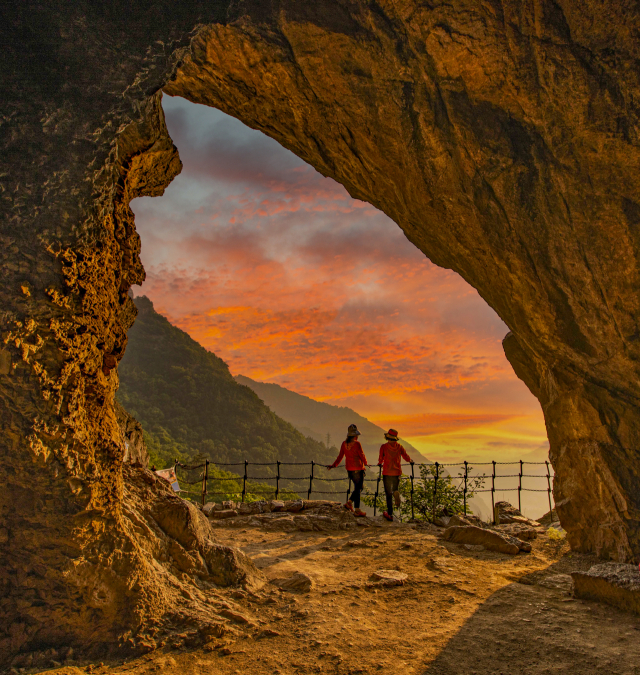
point(390, 459)
point(355, 462)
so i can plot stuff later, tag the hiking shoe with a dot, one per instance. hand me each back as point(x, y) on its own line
point(349, 505)
point(396, 499)
point(359, 513)
point(386, 516)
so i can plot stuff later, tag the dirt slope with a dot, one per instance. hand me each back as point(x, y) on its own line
point(459, 612)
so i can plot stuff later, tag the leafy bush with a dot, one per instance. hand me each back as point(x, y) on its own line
point(555, 534)
point(431, 498)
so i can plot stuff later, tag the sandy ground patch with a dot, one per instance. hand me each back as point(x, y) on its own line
point(460, 611)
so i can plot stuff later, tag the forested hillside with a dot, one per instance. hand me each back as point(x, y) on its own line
point(189, 404)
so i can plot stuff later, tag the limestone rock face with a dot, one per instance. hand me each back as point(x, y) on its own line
point(135, 448)
point(502, 137)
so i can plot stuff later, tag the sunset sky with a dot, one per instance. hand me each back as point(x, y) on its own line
point(279, 272)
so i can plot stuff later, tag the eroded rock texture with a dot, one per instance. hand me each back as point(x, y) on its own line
point(502, 136)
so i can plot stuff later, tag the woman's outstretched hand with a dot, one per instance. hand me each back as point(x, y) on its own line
point(329, 467)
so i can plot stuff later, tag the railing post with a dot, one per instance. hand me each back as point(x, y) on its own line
point(464, 494)
point(549, 491)
point(520, 488)
point(205, 478)
point(435, 491)
point(493, 494)
point(413, 517)
point(375, 501)
point(278, 480)
point(311, 480)
point(244, 481)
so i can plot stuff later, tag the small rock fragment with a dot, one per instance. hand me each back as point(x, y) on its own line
point(234, 616)
point(299, 582)
point(268, 632)
point(389, 577)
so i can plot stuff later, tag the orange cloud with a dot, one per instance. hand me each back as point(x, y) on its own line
point(413, 426)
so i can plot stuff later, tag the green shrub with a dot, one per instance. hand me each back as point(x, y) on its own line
point(431, 498)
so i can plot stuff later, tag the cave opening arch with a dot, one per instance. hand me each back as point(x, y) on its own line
point(453, 123)
point(276, 270)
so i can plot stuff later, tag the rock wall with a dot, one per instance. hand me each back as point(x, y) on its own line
point(133, 436)
point(502, 137)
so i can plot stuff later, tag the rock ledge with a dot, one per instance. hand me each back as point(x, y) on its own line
point(616, 584)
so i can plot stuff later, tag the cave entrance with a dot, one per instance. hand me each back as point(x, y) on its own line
point(278, 271)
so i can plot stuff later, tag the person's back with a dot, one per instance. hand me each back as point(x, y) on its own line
point(355, 462)
point(390, 459)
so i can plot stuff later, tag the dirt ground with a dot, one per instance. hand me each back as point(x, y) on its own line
point(460, 611)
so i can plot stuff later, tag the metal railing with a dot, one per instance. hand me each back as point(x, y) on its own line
point(301, 484)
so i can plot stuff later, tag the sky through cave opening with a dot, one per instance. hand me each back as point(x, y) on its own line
point(278, 271)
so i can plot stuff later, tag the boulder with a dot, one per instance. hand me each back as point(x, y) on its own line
point(246, 509)
point(318, 503)
point(228, 505)
point(298, 582)
point(442, 521)
point(490, 539)
point(505, 513)
point(276, 505)
point(458, 520)
point(617, 584)
point(474, 520)
point(303, 523)
point(294, 506)
point(220, 515)
point(208, 508)
point(525, 532)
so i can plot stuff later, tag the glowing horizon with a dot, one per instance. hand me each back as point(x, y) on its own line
point(278, 271)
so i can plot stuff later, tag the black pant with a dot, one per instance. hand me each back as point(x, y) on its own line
point(357, 477)
point(391, 484)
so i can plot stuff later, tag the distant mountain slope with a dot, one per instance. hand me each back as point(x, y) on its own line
point(317, 419)
point(188, 403)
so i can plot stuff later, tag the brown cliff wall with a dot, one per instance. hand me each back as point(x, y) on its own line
point(501, 136)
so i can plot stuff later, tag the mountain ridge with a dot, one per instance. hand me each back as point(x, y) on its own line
point(316, 418)
point(189, 404)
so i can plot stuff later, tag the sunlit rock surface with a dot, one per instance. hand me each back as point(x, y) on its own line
point(502, 137)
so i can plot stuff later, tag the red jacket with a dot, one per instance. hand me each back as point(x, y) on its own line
point(355, 459)
point(391, 456)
